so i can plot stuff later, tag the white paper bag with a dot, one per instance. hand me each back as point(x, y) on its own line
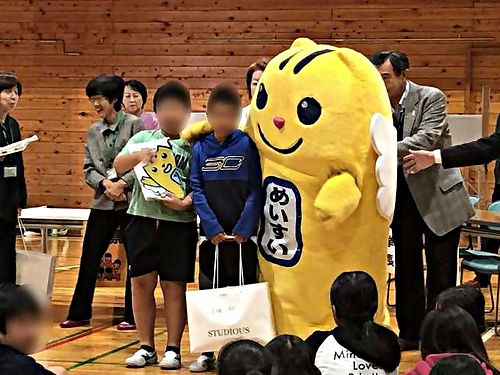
point(219, 316)
point(162, 176)
point(36, 271)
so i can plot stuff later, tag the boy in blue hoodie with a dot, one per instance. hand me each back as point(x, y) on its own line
point(226, 179)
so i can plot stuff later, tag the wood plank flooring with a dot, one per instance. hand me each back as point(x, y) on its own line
point(100, 348)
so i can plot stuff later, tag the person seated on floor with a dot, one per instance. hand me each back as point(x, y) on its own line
point(245, 357)
point(292, 356)
point(447, 332)
point(468, 298)
point(357, 343)
point(459, 365)
point(21, 326)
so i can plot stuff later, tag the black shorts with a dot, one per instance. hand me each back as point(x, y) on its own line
point(165, 247)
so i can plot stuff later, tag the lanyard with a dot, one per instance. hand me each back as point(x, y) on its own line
point(5, 127)
point(110, 142)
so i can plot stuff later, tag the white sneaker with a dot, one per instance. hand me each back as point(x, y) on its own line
point(171, 361)
point(142, 358)
point(203, 364)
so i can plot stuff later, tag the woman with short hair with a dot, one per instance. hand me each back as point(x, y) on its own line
point(134, 100)
point(13, 195)
point(112, 191)
point(253, 75)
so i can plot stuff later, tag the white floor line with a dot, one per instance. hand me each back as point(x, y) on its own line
point(488, 334)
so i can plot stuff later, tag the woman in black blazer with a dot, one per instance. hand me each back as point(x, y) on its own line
point(12, 183)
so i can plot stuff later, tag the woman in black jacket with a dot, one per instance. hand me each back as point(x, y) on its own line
point(12, 183)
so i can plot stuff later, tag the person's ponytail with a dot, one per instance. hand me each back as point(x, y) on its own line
point(371, 342)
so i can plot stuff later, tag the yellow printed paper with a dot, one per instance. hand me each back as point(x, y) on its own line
point(161, 177)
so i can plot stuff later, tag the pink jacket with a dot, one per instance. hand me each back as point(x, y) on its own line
point(424, 367)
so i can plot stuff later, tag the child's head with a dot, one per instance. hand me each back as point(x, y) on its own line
point(354, 298)
point(10, 91)
point(468, 298)
point(21, 318)
point(117, 264)
point(292, 356)
point(458, 365)
point(451, 330)
point(172, 105)
point(106, 94)
point(245, 357)
point(224, 109)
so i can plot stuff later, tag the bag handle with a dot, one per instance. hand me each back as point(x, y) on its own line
point(215, 283)
point(241, 278)
point(22, 228)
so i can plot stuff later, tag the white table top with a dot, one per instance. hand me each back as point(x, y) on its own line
point(44, 213)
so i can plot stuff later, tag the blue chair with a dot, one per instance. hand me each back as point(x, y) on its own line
point(485, 263)
point(488, 264)
point(474, 200)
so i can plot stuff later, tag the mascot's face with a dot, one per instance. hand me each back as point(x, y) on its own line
point(312, 109)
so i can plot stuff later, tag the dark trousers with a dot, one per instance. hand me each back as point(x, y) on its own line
point(7, 251)
point(100, 229)
point(489, 245)
point(408, 231)
point(228, 264)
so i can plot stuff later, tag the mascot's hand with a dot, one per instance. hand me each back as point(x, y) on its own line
point(338, 199)
point(195, 131)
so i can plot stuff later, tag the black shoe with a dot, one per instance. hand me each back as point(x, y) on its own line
point(406, 345)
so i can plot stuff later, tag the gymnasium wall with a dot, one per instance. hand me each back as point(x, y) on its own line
point(56, 46)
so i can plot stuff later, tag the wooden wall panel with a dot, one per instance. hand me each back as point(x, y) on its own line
point(56, 46)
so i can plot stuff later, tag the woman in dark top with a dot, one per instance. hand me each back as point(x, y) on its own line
point(12, 183)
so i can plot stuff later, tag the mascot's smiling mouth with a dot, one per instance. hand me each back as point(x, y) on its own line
point(285, 151)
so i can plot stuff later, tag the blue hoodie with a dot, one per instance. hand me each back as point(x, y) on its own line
point(226, 179)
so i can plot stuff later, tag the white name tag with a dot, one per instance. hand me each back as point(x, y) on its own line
point(10, 172)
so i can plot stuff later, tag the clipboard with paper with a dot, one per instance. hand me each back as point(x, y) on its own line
point(17, 146)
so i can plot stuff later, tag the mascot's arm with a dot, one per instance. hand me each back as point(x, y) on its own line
point(338, 198)
point(384, 142)
point(193, 132)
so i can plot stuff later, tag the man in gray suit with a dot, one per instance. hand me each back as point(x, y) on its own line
point(431, 206)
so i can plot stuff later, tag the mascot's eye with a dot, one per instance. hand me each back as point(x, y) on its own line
point(261, 97)
point(309, 111)
point(164, 155)
point(154, 169)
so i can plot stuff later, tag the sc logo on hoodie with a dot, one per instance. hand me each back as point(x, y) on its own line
point(223, 163)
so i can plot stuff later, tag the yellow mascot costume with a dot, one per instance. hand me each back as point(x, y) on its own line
point(321, 121)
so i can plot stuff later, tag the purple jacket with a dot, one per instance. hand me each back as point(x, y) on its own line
point(149, 120)
point(424, 367)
